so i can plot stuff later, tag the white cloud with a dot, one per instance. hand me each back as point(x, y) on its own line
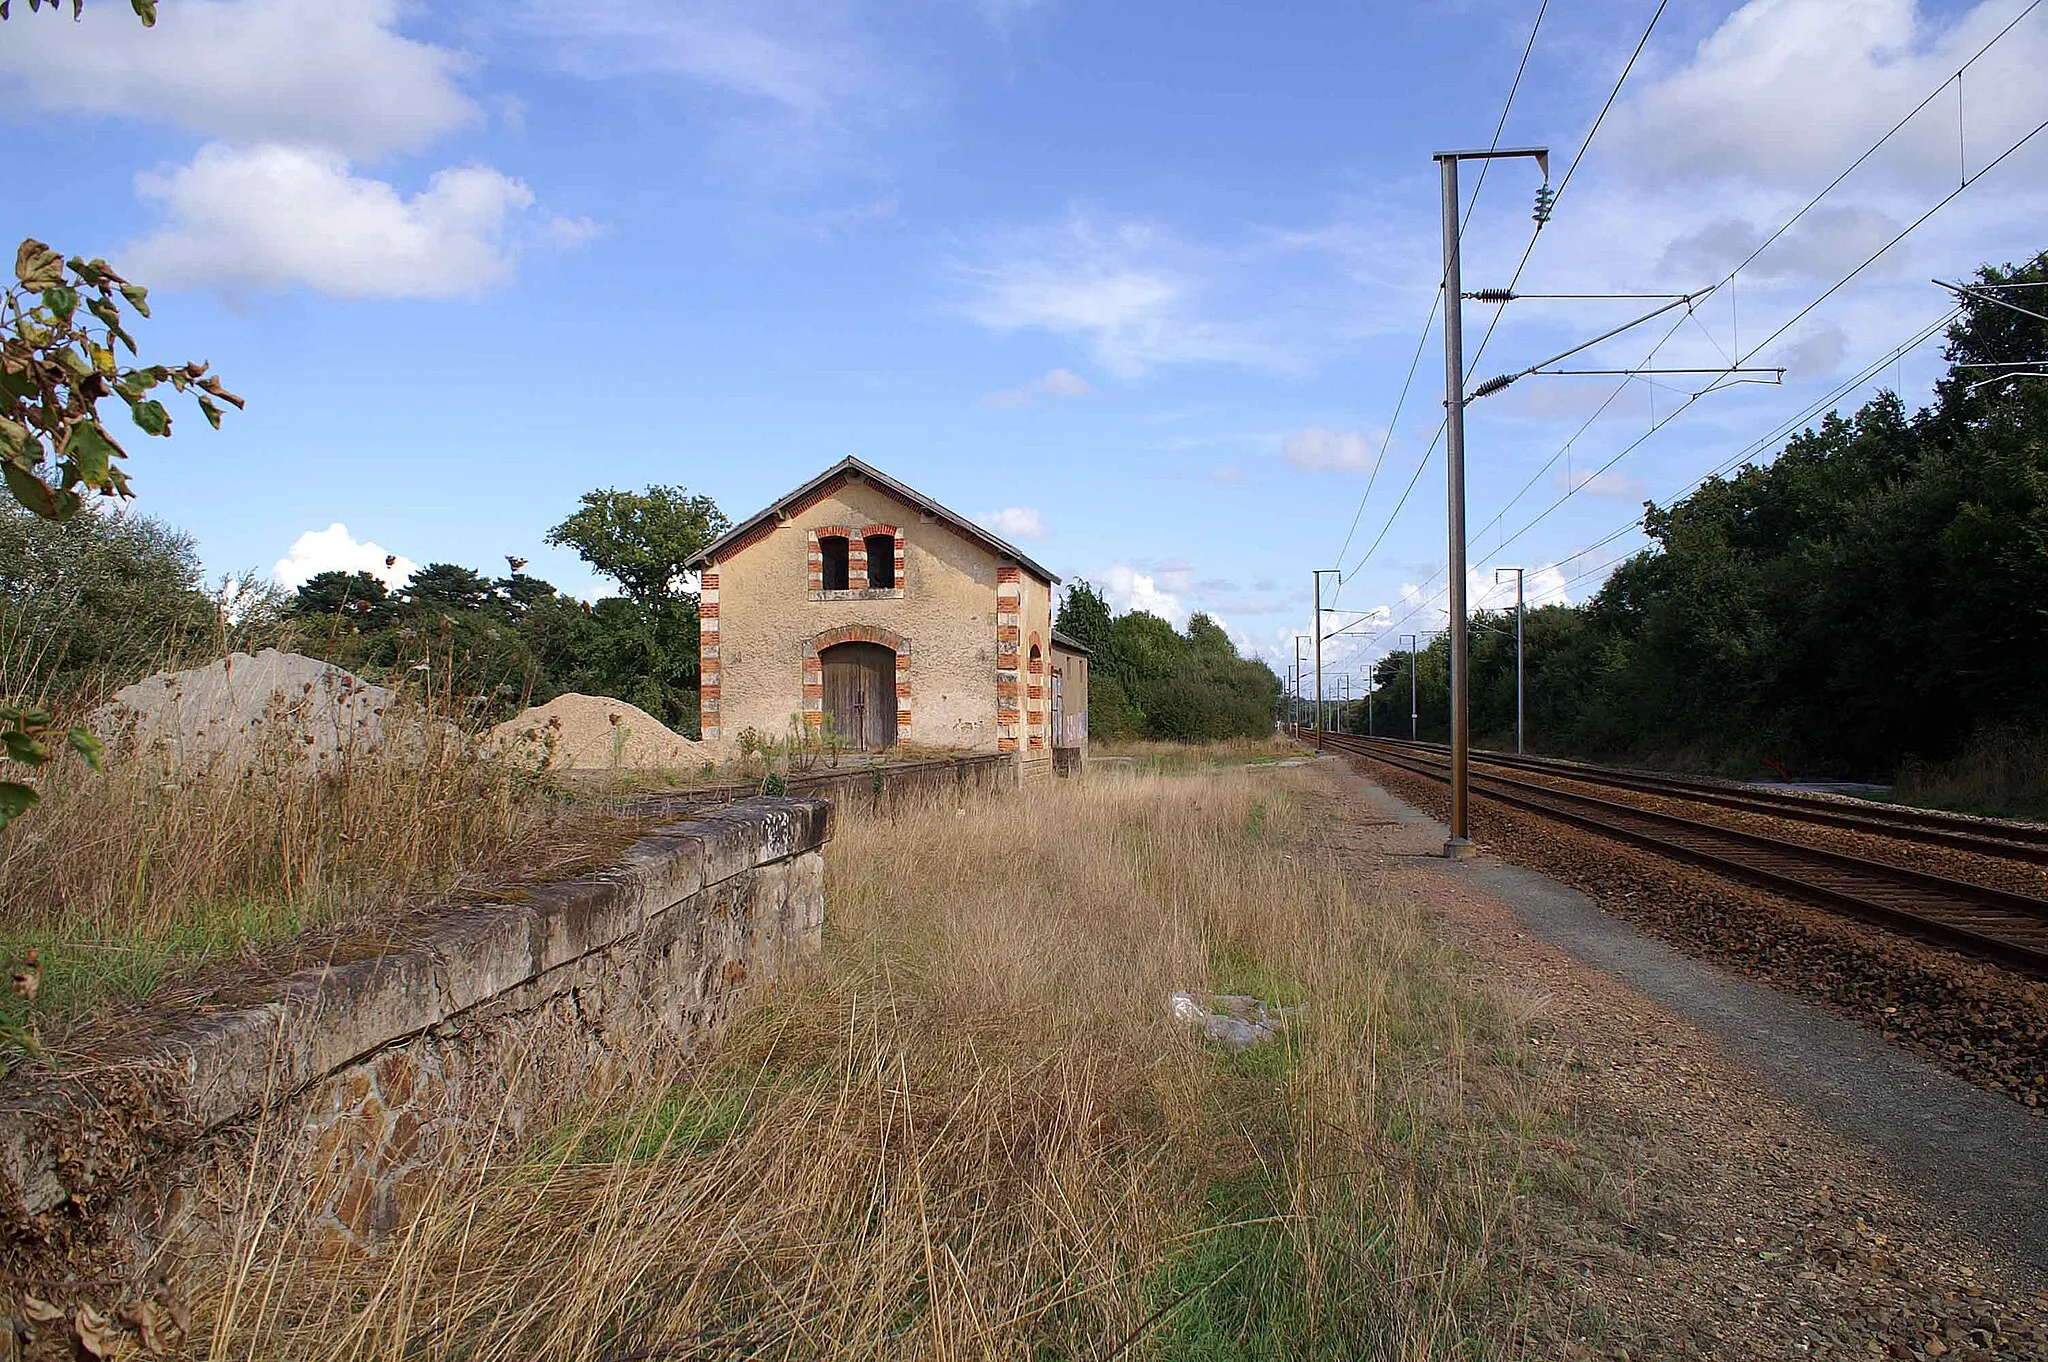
point(1789, 89)
point(300, 71)
point(1816, 353)
point(569, 233)
point(1317, 450)
point(334, 549)
point(1131, 291)
point(1057, 383)
point(791, 89)
point(1127, 589)
point(1014, 522)
point(1601, 484)
point(1824, 243)
point(277, 216)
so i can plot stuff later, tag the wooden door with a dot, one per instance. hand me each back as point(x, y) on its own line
point(860, 694)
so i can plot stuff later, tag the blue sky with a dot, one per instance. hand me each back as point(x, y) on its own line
point(1138, 282)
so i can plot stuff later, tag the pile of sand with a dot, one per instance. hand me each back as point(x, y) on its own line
point(281, 707)
point(595, 733)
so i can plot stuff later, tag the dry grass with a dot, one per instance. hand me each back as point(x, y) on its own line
point(118, 879)
point(1180, 758)
point(2002, 772)
point(975, 1132)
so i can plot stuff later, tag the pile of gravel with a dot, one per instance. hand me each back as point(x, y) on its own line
point(272, 707)
point(595, 733)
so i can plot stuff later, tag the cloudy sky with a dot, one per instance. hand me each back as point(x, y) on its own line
point(1137, 284)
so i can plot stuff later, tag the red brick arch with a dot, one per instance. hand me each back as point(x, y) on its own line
point(814, 670)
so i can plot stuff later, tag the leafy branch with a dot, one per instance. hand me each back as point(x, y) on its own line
point(61, 326)
point(145, 10)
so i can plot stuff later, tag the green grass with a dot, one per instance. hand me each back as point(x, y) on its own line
point(80, 970)
point(683, 1122)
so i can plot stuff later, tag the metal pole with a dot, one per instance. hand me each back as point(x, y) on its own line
point(1294, 707)
point(1454, 458)
point(1414, 705)
point(1460, 843)
point(1319, 658)
point(1322, 718)
point(1521, 693)
point(1521, 688)
point(1371, 685)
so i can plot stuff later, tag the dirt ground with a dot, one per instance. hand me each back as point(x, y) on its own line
point(1748, 1229)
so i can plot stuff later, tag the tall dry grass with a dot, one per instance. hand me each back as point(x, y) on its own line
point(975, 1132)
point(117, 879)
point(2002, 772)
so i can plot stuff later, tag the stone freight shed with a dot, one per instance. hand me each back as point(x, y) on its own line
point(880, 617)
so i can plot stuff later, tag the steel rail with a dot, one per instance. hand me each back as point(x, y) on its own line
point(2006, 928)
point(2022, 842)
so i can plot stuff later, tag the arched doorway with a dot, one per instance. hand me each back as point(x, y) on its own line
point(860, 694)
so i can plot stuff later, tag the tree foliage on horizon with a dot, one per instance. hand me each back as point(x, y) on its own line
point(1874, 596)
point(1148, 680)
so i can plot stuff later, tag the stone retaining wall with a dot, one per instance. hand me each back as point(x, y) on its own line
point(861, 784)
point(354, 1085)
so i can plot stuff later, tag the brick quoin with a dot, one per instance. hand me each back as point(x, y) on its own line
point(1008, 574)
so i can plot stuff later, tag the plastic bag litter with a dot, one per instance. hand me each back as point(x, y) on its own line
point(1232, 1020)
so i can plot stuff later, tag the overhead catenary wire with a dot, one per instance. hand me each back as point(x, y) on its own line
point(1578, 157)
point(1778, 233)
point(1500, 124)
point(1780, 430)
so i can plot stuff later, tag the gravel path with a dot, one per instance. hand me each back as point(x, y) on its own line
point(1787, 1191)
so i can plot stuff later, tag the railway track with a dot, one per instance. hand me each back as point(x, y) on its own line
point(2012, 841)
point(2010, 929)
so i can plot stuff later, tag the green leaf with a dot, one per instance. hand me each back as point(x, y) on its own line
point(73, 363)
point(87, 746)
point(91, 453)
point(136, 382)
point(24, 716)
point(33, 493)
point(152, 417)
point(38, 267)
point(17, 382)
point(17, 443)
point(62, 300)
point(27, 750)
point(15, 800)
point(209, 410)
point(145, 10)
point(137, 296)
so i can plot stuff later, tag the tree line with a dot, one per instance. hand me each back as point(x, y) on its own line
point(102, 597)
point(1872, 598)
point(1147, 679)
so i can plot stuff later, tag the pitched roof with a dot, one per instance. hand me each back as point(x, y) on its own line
point(849, 465)
point(1070, 643)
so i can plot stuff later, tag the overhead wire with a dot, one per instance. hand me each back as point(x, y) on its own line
point(1741, 355)
point(1761, 247)
point(1436, 304)
point(1778, 432)
point(1578, 157)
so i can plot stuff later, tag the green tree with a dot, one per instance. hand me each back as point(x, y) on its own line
point(357, 597)
point(441, 587)
point(106, 596)
point(641, 540)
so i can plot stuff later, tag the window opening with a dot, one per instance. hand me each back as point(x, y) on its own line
point(834, 550)
point(881, 561)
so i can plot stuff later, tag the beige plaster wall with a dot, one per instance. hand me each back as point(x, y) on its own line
point(945, 610)
point(1073, 694)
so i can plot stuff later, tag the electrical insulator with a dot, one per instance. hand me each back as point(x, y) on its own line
point(1490, 387)
point(1546, 199)
point(1492, 295)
